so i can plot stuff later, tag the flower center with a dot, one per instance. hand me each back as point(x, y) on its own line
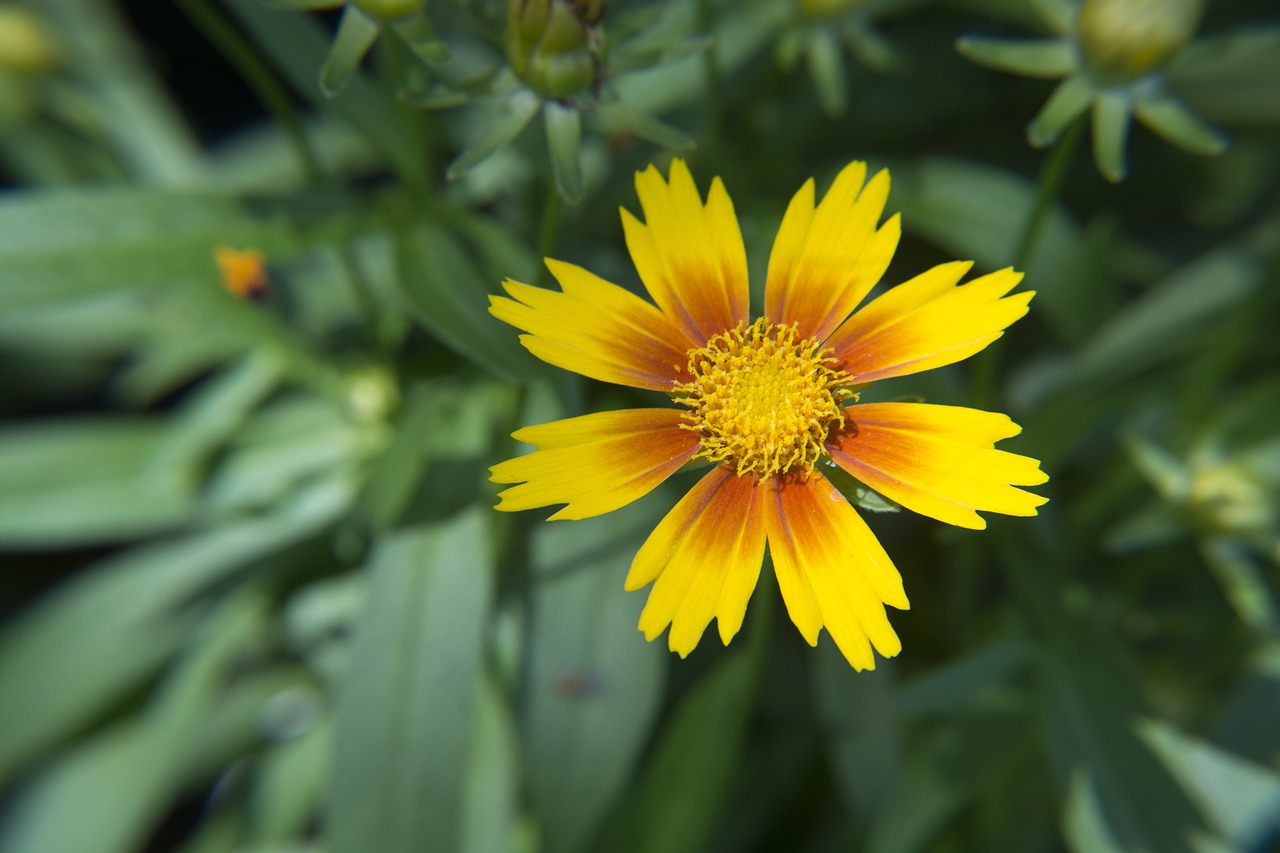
point(761, 400)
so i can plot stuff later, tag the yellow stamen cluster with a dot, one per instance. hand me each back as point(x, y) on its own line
point(761, 400)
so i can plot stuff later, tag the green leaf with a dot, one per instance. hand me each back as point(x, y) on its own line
point(1071, 98)
point(1090, 703)
point(1170, 118)
point(450, 297)
point(594, 684)
point(297, 46)
point(1240, 798)
point(860, 727)
point(356, 34)
point(406, 706)
point(288, 784)
point(619, 113)
point(73, 482)
point(1048, 58)
point(1232, 78)
point(421, 37)
point(491, 799)
point(119, 782)
point(677, 801)
point(517, 109)
point(1169, 318)
point(944, 774)
point(976, 678)
point(564, 138)
point(1110, 134)
point(96, 636)
point(56, 246)
point(826, 70)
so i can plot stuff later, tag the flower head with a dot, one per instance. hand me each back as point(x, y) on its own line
point(1111, 56)
point(770, 402)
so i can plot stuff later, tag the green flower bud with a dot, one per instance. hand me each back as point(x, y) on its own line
point(371, 393)
point(389, 10)
point(1123, 40)
point(26, 44)
point(1226, 498)
point(550, 44)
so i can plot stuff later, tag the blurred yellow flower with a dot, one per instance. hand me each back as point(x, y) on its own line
point(243, 271)
point(770, 402)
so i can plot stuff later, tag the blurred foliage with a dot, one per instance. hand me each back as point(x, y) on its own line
point(256, 598)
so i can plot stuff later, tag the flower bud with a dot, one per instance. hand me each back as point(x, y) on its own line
point(26, 44)
point(1226, 498)
point(389, 10)
point(1123, 40)
point(550, 44)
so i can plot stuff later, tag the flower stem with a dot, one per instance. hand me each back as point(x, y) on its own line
point(1052, 176)
point(257, 75)
point(552, 216)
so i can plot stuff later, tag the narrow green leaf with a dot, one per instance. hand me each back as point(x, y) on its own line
point(58, 245)
point(1110, 134)
point(593, 683)
point(450, 297)
point(406, 706)
point(1168, 318)
point(825, 60)
point(1170, 118)
point(421, 37)
point(491, 798)
point(621, 114)
point(860, 727)
point(517, 109)
point(945, 773)
point(288, 784)
point(95, 637)
point(150, 753)
point(216, 410)
point(297, 46)
point(1070, 99)
point(677, 801)
point(80, 483)
point(356, 34)
point(1048, 58)
point(1240, 798)
point(564, 138)
point(1243, 582)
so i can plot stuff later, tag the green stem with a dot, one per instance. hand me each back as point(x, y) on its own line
point(395, 68)
point(258, 76)
point(715, 80)
point(552, 215)
point(1052, 177)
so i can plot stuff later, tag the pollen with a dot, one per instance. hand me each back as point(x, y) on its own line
point(763, 401)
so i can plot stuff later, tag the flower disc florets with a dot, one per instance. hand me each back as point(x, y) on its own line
point(761, 400)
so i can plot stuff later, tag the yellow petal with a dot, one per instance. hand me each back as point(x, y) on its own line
point(928, 322)
point(597, 329)
point(818, 541)
point(826, 260)
point(595, 463)
point(690, 257)
point(937, 460)
point(704, 559)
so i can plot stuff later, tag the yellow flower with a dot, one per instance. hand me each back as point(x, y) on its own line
point(243, 272)
point(770, 401)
